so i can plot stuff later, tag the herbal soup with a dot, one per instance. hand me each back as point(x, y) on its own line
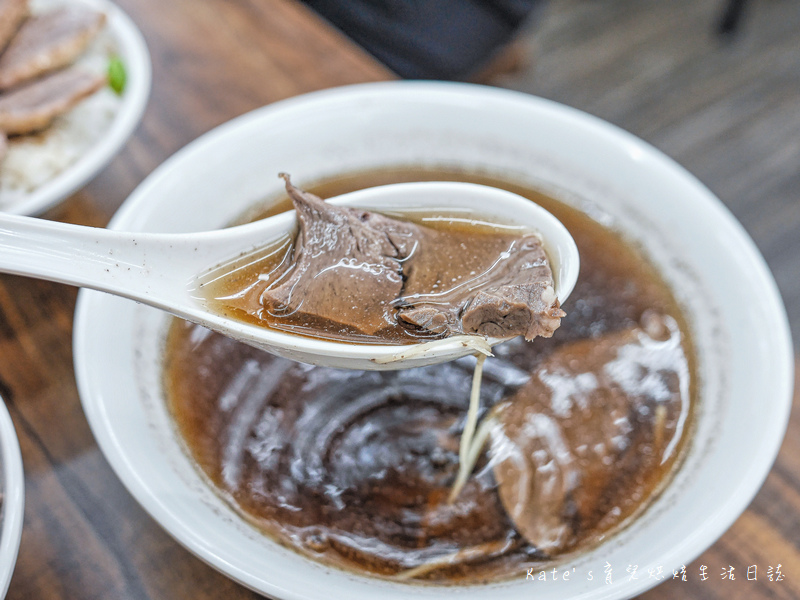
point(575, 436)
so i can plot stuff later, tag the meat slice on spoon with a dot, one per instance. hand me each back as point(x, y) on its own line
point(33, 106)
point(515, 297)
point(12, 14)
point(48, 42)
point(364, 271)
point(348, 267)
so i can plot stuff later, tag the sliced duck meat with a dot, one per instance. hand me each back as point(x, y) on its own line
point(358, 272)
point(347, 269)
point(12, 14)
point(48, 42)
point(597, 414)
point(33, 107)
point(529, 309)
point(503, 286)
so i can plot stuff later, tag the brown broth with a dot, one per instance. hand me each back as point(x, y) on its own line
point(353, 468)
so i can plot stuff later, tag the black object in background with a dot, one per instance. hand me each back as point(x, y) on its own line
point(731, 17)
point(428, 39)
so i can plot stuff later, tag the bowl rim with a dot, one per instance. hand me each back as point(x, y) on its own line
point(136, 57)
point(13, 504)
point(691, 547)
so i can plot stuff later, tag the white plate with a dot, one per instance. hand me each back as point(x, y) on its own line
point(133, 52)
point(13, 503)
point(738, 320)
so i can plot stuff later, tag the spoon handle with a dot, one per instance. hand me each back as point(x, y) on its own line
point(91, 257)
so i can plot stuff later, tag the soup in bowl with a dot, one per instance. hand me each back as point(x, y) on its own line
point(635, 422)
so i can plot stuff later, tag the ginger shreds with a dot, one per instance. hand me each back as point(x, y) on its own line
point(476, 446)
point(468, 451)
point(481, 551)
point(464, 468)
point(474, 342)
point(661, 418)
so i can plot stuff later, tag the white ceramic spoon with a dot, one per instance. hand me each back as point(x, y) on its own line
point(160, 269)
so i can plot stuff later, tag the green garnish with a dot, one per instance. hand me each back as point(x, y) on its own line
point(116, 75)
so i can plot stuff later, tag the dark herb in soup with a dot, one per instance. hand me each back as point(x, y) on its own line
point(576, 436)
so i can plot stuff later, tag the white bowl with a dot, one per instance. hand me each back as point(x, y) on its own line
point(133, 52)
point(738, 320)
point(12, 510)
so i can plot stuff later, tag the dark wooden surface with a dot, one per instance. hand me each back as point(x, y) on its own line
point(729, 112)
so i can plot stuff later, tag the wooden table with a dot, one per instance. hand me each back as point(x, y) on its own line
point(84, 536)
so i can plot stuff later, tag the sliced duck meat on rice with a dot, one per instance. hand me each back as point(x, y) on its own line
point(48, 42)
point(12, 14)
point(33, 107)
